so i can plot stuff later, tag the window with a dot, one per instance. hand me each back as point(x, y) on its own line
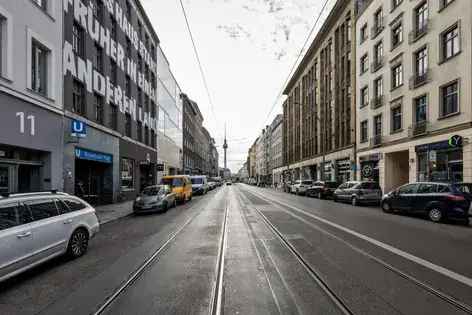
point(128, 10)
point(397, 35)
point(113, 72)
point(127, 174)
point(378, 54)
point(12, 215)
point(113, 116)
point(451, 43)
point(421, 18)
point(396, 3)
point(450, 99)
point(113, 31)
point(78, 98)
point(98, 104)
point(377, 125)
point(128, 125)
point(39, 68)
point(408, 189)
point(42, 209)
point(378, 87)
point(128, 86)
point(78, 40)
point(427, 189)
point(153, 139)
point(445, 3)
point(443, 189)
point(128, 48)
point(364, 63)
point(365, 96)
point(139, 131)
point(73, 204)
point(397, 76)
point(364, 131)
point(378, 21)
point(421, 106)
point(43, 4)
point(421, 62)
point(98, 61)
point(98, 10)
point(364, 33)
point(396, 114)
point(146, 135)
point(140, 97)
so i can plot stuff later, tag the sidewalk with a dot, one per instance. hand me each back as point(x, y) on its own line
point(114, 211)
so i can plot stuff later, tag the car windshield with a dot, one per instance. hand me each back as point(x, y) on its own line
point(173, 182)
point(197, 180)
point(152, 191)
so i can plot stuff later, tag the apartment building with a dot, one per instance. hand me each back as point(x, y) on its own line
point(276, 154)
point(414, 116)
point(251, 157)
point(31, 117)
point(319, 112)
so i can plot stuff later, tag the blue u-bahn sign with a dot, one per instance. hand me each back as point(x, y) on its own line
point(78, 129)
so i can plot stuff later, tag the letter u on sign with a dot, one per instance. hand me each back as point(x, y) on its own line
point(78, 126)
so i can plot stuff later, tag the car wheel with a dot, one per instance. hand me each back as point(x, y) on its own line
point(320, 195)
point(386, 207)
point(335, 199)
point(435, 214)
point(78, 243)
point(354, 202)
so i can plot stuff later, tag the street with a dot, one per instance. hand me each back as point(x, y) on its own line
point(247, 250)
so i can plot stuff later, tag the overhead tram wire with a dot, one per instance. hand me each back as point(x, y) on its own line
point(197, 56)
point(300, 54)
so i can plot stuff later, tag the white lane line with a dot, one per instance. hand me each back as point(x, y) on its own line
point(444, 271)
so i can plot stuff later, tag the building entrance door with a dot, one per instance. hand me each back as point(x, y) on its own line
point(89, 180)
point(28, 178)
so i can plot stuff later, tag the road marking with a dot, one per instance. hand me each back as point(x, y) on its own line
point(444, 271)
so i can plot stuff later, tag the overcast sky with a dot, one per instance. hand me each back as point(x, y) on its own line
point(247, 48)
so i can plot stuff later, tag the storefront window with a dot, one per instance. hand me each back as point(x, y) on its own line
point(127, 174)
point(440, 165)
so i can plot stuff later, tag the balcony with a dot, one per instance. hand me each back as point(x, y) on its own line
point(418, 80)
point(377, 102)
point(377, 29)
point(418, 129)
point(376, 141)
point(417, 33)
point(377, 64)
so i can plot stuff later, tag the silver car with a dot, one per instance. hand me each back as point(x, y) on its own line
point(358, 192)
point(155, 198)
point(36, 227)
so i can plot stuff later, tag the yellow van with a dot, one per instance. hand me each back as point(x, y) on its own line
point(181, 186)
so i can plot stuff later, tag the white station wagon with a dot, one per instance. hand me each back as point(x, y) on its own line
point(36, 227)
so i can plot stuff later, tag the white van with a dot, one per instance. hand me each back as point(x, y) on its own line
point(36, 227)
point(199, 184)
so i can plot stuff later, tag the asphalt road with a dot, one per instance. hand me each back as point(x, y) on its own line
point(247, 250)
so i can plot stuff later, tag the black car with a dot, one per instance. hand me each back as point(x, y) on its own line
point(438, 201)
point(322, 190)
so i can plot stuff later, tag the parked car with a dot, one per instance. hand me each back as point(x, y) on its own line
point(301, 186)
point(199, 185)
point(155, 198)
point(37, 227)
point(359, 192)
point(181, 186)
point(229, 183)
point(437, 200)
point(322, 190)
point(287, 187)
point(212, 185)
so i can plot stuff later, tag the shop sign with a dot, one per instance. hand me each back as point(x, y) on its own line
point(93, 156)
point(160, 167)
point(367, 171)
point(453, 142)
point(78, 129)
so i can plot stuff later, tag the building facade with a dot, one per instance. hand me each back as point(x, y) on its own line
point(31, 141)
point(276, 153)
point(319, 112)
point(192, 137)
point(110, 99)
point(252, 164)
point(214, 159)
point(170, 116)
point(414, 74)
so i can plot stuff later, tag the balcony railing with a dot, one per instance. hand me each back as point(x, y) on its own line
point(377, 64)
point(377, 29)
point(376, 102)
point(417, 33)
point(419, 79)
point(418, 129)
point(376, 141)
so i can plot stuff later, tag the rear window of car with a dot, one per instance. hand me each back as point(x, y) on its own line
point(444, 189)
point(42, 208)
point(197, 181)
point(464, 188)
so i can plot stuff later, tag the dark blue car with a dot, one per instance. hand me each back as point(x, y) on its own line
point(439, 201)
